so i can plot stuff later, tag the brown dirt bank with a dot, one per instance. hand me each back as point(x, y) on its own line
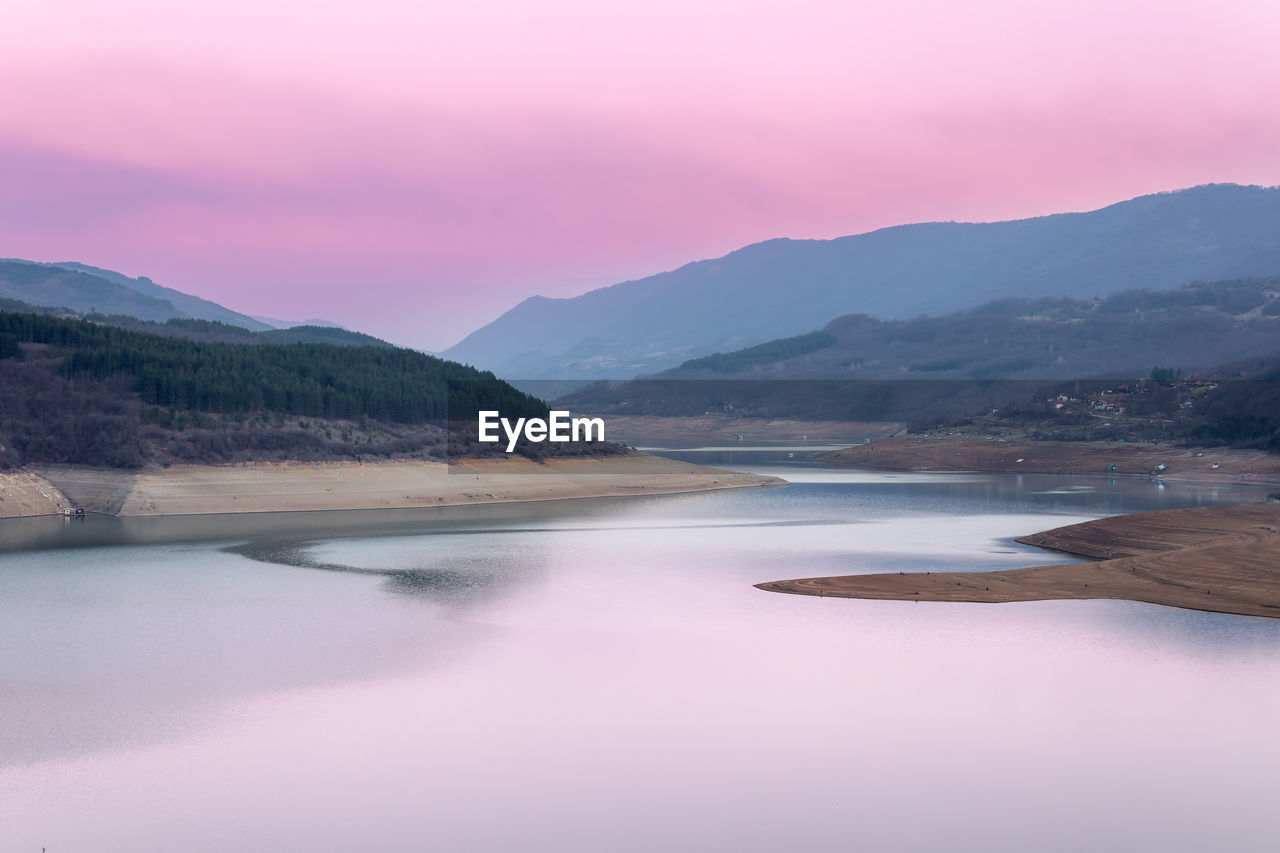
point(292, 486)
point(1054, 457)
point(1224, 559)
point(24, 493)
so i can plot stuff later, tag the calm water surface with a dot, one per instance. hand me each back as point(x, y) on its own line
point(603, 676)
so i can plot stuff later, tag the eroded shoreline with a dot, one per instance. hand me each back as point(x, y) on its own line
point(266, 487)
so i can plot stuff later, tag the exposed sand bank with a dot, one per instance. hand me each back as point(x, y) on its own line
point(294, 486)
point(1224, 559)
point(23, 493)
point(1056, 457)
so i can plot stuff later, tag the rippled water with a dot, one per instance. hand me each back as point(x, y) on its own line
point(603, 676)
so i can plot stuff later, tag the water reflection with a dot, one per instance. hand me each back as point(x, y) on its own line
point(44, 532)
point(1210, 637)
point(118, 648)
point(602, 675)
point(457, 581)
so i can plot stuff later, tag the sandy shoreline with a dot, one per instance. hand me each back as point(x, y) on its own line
point(1224, 559)
point(298, 486)
point(957, 454)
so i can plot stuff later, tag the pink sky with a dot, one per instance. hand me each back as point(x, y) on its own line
point(413, 169)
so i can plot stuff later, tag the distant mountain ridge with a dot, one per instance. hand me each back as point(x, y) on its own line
point(84, 288)
point(276, 323)
point(788, 287)
point(206, 331)
point(1002, 353)
point(1123, 335)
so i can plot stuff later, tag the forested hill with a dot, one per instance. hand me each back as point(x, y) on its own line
point(77, 391)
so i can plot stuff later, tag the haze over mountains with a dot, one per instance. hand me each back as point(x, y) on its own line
point(788, 287)
point(276, 323)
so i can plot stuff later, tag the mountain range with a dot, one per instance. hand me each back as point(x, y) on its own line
point(786, 287)
point(92, 290)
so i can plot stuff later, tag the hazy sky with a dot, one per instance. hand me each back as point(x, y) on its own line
point(412, 169)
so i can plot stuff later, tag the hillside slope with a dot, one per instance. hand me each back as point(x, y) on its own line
point(74, 391)
point(1124, 335)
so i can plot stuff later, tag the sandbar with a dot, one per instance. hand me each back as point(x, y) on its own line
point(1224, 559)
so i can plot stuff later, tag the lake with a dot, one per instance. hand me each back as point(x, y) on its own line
point(601, 675)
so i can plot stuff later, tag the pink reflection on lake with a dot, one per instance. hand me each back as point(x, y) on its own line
point(613, 682)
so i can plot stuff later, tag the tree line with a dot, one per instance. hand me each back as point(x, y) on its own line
point(302, 379)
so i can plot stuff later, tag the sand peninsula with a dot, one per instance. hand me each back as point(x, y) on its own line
point(256, 487)
point(967, 454)
point(1224, 559)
